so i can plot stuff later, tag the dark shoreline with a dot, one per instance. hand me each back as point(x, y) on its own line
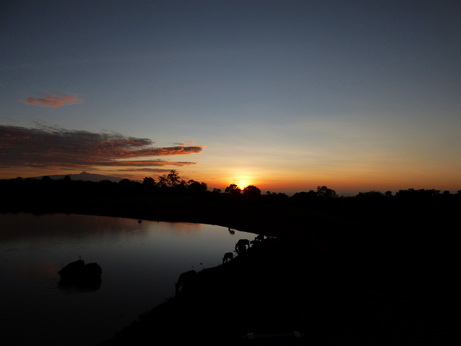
point(334, 288)
point(329, 297)
point(364, 270)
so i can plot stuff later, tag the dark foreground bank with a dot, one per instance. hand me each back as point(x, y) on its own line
point(315, 291)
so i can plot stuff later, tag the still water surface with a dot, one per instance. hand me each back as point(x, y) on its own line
point(140, 264)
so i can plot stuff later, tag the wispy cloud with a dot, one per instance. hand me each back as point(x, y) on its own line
point(47, 100)
point(185, 143)
point(57, 148)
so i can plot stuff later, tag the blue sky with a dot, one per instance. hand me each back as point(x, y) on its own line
point(286, 95)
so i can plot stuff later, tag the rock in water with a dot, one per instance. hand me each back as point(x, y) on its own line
point(77, 275)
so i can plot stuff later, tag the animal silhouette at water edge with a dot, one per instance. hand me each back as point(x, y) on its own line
point(227, 257)
point(260, 237)
point(185, 279)
point(242, 245)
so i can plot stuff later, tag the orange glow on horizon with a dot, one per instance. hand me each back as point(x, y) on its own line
point(346, 184)
point(242, 182)
point(343, 182)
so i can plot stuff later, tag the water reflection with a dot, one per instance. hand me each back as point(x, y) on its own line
point(16, 226)
point(141, 261)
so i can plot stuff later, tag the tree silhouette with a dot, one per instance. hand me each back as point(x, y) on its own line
point(148, 181)
point(324, 192)
point(251, 191)
point(195, 186)
point(171, 179)
point(233, 189)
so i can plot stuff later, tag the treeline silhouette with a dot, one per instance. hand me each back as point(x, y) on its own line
point(170, 198)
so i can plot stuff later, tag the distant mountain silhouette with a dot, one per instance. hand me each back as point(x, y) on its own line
point(84, 176)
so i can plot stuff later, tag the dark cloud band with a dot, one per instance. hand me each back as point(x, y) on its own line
point(60, 148)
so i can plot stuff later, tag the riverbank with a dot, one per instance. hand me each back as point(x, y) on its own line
point(333, 293)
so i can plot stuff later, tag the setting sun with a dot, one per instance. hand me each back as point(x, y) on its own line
point(242, 182)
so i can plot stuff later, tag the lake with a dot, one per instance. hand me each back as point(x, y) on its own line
point(140, 260)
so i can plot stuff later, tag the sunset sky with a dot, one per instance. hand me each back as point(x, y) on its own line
point(285, 95)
